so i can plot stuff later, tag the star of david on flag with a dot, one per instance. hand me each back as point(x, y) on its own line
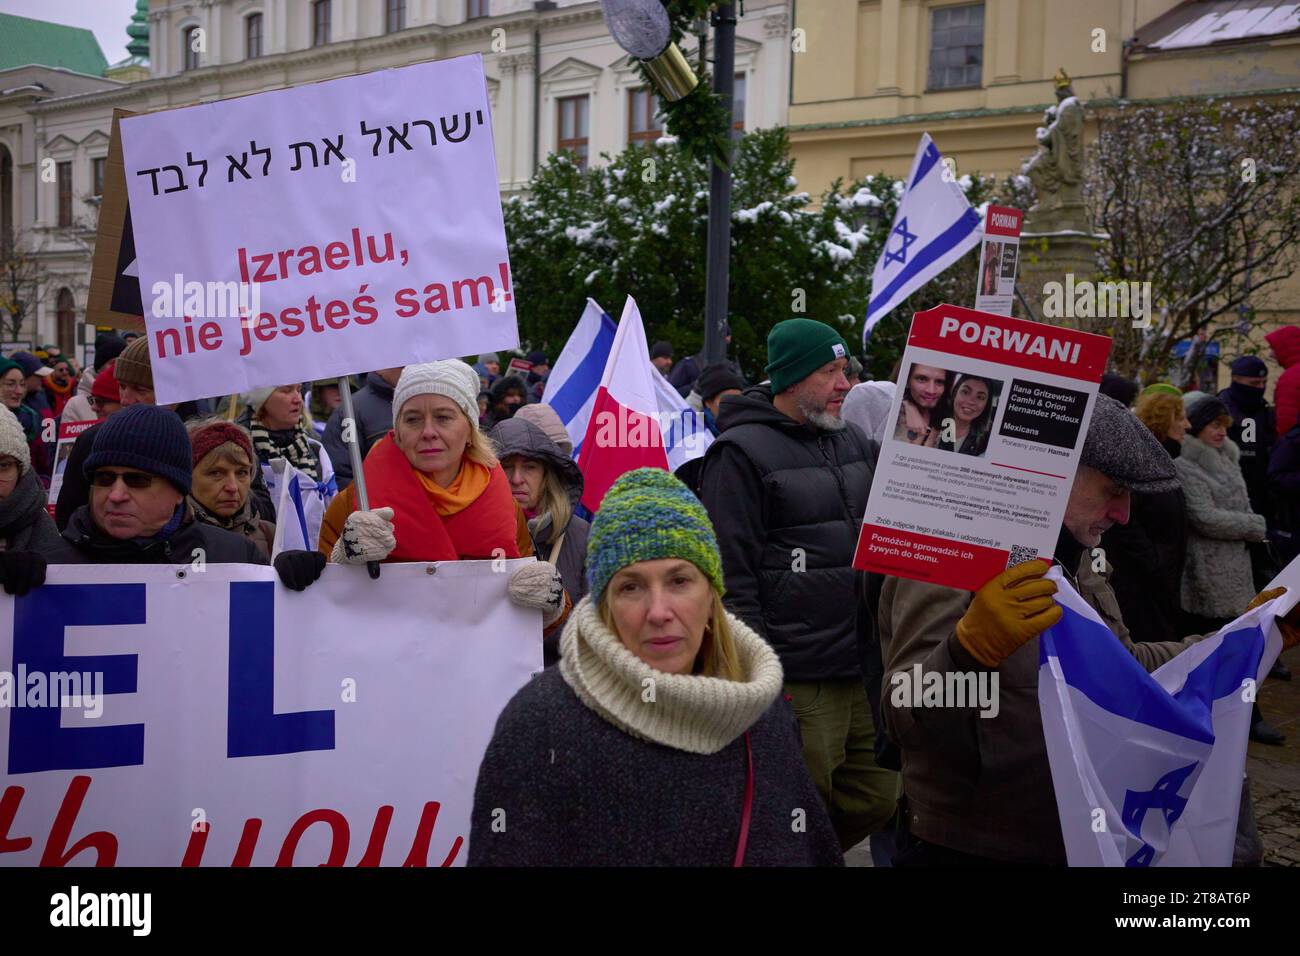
point(899, 255)
point(1147, 768)
point(933, 228)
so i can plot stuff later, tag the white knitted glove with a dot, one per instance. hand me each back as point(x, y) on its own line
point(367, 536)
point(538, 586)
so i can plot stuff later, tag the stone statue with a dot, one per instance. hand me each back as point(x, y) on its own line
point(1056, 170)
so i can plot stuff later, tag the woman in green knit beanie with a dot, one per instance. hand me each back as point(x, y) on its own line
point(662, 738)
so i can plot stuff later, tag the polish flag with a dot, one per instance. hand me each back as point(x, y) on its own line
point(623, 432)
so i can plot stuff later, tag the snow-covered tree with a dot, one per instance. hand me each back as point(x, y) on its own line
point(1201, 199)
point(638, 226)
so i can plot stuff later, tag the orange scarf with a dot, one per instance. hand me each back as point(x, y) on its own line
point(469, 483)
point(471, 518)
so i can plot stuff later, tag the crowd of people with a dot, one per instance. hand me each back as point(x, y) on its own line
point(713, 664)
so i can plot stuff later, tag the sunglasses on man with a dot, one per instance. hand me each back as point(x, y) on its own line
point(135, 480)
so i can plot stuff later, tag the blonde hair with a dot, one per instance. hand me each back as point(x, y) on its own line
point(717, 656)
point(479, 448)
point(555, 502)
point(1159, 411)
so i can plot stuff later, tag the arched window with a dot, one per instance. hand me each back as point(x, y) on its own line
point(67, 322)
point(189, 54)
point(253, 36)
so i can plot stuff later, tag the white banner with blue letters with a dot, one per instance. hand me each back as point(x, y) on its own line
point(183, 715)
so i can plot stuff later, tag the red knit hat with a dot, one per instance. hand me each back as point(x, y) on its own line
point(208, 437)
point(105, 386)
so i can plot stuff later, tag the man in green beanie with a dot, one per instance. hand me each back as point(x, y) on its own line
point(786, 484)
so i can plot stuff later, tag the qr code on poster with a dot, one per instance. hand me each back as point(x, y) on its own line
point(1020, 554)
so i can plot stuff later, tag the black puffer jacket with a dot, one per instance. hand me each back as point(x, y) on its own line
point(516, 436)
point(83, 543)
point(373, 406)
point(787, 503)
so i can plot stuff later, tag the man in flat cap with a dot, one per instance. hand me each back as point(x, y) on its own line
point(976, 778)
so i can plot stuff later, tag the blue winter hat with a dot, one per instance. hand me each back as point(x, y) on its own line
point(1249, 365)
point(146, 437)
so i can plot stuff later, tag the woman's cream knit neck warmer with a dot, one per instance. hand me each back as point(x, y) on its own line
point(683, 711)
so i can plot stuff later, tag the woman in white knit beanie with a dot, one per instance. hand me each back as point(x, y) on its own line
point(26, 528)
point(436, 493)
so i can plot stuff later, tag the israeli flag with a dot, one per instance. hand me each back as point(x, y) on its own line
point(1148, 767)
point(300, 502)
point(933, 228)
point(575, 377)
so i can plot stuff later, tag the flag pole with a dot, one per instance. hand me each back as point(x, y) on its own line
point(354, 456)
point(1025, 305)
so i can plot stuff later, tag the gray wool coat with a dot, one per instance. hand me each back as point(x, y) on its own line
point(1217, 579)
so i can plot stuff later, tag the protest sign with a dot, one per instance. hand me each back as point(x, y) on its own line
point(999, 255)
point(984, 437)
point(520, 367)
point(68, 432)
point(213, 716)
point(320, 231)
point(114, 295)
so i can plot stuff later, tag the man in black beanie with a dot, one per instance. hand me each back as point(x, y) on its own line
point(139, 471)
point(1253, 429)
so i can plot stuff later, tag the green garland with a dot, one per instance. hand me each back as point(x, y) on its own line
point(698, 120)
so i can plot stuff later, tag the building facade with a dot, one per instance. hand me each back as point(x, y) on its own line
point(556, 80)
point(869, 76)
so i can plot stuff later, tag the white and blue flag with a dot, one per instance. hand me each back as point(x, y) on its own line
point(1147, 768)
point(571, 387)
point(686, 435)
point(571, 390)
point(300, 502)
point(933, 228)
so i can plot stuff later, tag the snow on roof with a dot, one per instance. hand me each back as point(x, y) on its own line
point(1217, 21)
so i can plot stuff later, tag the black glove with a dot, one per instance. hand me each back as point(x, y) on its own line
point(297, 569)
point(20, 571)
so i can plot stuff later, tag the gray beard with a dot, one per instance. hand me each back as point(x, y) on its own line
point(820, 418)
point(826, 421)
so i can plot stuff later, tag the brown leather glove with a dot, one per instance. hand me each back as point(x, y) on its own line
point(1289, 625)
point(1008, 612)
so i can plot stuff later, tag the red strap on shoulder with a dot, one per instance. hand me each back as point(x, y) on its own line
point(749, 805)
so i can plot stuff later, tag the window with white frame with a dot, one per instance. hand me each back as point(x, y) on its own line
point(395, 16)
point(956, 46)
point(189, 48)
point(643, 121)
point(252, 36)
point(320, 22)
point(63, 177)
point(573, 127)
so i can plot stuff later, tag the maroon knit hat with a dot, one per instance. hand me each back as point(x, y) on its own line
point(208, 437)
point(105, 385)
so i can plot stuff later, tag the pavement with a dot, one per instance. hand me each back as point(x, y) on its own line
point(1274, 775)
point(1275, 771)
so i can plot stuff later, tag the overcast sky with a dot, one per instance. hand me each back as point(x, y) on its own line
point(107, 19)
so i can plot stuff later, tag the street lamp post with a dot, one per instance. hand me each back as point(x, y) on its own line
point(718, 263)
